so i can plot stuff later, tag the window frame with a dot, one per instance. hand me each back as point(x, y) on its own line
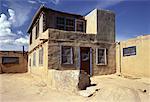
point(129, 52)
point(61, 55)
point(37, 29)
point(16, 58)
point(30, 38)
point(41, 56)
point(105, 56)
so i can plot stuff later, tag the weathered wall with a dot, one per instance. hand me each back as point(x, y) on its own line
point(39, 70)
point(105, 25)
point(77, 40)
point(136, 65)
point(14, 68)
point(68, 79)
point(102, 23)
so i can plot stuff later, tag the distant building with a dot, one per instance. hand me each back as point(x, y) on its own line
point(13, 62)
point(133, 56)
point(65, 41)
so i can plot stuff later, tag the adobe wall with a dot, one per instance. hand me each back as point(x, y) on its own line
point(136, 65)
point(58, 38)
point(14, 68)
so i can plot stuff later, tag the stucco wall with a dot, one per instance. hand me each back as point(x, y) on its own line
point(58, 38)
point(39, 70)
point(13, 68)
point(102, 23)
point(136, 65)
point(91, 22)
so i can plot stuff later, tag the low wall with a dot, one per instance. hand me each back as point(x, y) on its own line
point(68, 80)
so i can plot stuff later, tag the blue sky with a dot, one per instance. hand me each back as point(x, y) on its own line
point(132, 17)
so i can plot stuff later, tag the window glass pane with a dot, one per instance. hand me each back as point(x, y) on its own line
point(129, 51)
point(37, 29)
point(10, 60)
point(60, 20)
point(70, 22)
point(80, 26)
point(101, 56)
point(34, 59)
point(41, 56)
point(66, 55)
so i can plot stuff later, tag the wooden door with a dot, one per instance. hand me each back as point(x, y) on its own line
point(85, 59)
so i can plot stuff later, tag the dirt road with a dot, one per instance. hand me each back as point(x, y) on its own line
point(25, 88)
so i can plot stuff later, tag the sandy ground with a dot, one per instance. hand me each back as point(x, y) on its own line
point(25, 88)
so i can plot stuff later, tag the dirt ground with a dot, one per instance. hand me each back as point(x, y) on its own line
point(112, 88)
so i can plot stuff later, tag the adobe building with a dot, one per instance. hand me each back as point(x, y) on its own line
point(13, 62)
point(133, 57)
point(64, 41)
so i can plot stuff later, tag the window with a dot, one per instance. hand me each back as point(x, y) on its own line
point(67, 24)
point(37, 30)
point(79, 26)
point(129, 51)
point(66, 55)
point(10, 60)
point(60, 22)
point(101, 56)
point(41, 56)
point(30, 62)
point(30, 38)
point(70, 24)
point(34, 59)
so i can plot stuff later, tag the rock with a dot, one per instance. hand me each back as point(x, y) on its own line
point(84, 80)
point(90, 91)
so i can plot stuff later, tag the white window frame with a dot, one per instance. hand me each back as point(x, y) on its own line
point(61, 56)
point(104, 55)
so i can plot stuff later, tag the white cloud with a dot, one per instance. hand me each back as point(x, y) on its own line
point(107, 3)
point(10, 40)
point(5, 26)
point(55, 1)
point(22, 41)
point(32, 1)
point(12, 15)
point(21, 12)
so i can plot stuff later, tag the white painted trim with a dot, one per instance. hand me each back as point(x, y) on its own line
point(79, 58)
point(91, 61)
point(71, 56)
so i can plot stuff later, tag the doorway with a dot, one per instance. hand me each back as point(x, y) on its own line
point(85, 59)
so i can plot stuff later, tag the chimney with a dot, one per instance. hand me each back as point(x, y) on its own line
point(23, 50)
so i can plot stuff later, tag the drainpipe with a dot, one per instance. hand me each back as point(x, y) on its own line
point(23, 50)
point(120, 60)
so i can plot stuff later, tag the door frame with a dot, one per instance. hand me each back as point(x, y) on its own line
point(90, 59)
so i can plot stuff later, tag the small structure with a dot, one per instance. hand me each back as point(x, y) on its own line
point(63, 41)
point(13, 62)
point(133, 57)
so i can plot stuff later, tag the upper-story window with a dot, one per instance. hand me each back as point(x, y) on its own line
point(79, 26)
point(70, 24)
point(37, 30)
point(60, 23)
point(30, 38)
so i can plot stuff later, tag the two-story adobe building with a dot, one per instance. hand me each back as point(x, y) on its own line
point(65, 41)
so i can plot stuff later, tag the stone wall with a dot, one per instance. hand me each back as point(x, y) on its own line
point(58, 38)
